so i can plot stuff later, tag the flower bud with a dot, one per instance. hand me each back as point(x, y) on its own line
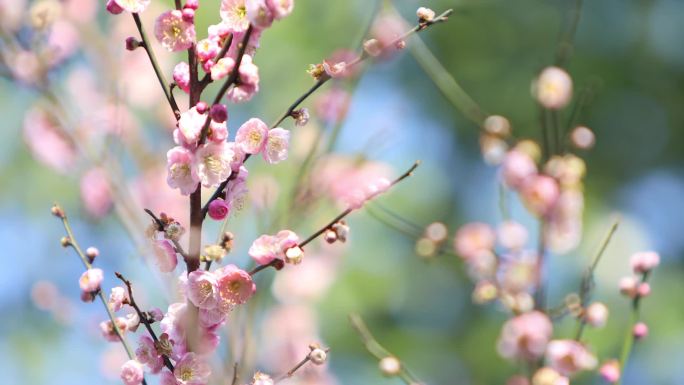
point(132, 43)
point(192, 4)
point(113, 7)
point(57, 211)
point(294, 255)
point(390, 366)
point(437, 231)
point(372, 47)
point(640, 330)
point(426, 247)
point(92, 253)
point(156, 314)
point(342, 230)
point(497, 125)
point(65, 241)
point(330, 236)
point(218, 113)
point(201, 107)
point(188, 15)
point(425, 14)
point(628, 286)
point(582, 138)
point(644, 261)
point(610, 371)
point(401, 44)
point(218, 209)
point(596, 314)
point(318, 356)
point(553, 88)
point(644, 289)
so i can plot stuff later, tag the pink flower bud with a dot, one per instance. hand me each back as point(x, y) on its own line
point(188, 15)
point(644, 289)
point(202, 107)
point(192, 4)
point(644, 261)
point(218, 113)
point(596, 314)
point(90, 280)
point(132, 373)
point(640, 330)
point(113, 7)
point(218, 209)
point(610, 371)
point(156, 314)
point(425, 14)
point(92, 253)
point(628, 286)
point(132, 43)
point(181, 75)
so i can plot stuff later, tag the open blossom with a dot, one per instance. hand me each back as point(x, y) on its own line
point(182, 173)
point(516, 167)
point(213, 163)
point(147, 354)
point(181, 75)
point(173, 32)
point(249, 81)
point(259, 14)
point(280, 8)
point(117, 297)
point(264, 249)
point(473, 238)
point(512, 235)
point(569, 357)
point(207, 49)
point(525, 336)
point(90, 280)
point(202, 289)
point(235, 286)
point(540, 194)
point(644, 261)
point(252, 136)
point(108, 331)
point(132, 373)
point(234, 14)
point(166, 257)
point(191, 370)
point(553, 88)
point(190, 126)
point(210, 318)
point(277, 145)
point(222, 68)
point(262, 379)
point(132, 6)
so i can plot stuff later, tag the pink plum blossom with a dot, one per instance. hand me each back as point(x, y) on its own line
point(280, 8)
point(132, 373)
point(644, 261)
point(173, 32)
point(569, 357)
point(264, 249)
point(553, 88)
point(190, 125)
point(472, 238)
point(540, 193)
point(213, 163)
point(165, 253)
point(277, 145)
point(147, 354)
point(210, 318)
point(207, 49)
point(202, 289)
point(234, 14)
point(512, 235)
point(610, 371)
point(90, 280)
point(167, 378)
point(516, 167)
point(222, 68)
point(235, 286)
point(596, 314)
point(218, 209)
point(182, 173)
point(191, 370)
point(525, 336)
point(249, 81)
point(108, 331)
point(262, 379)
point(117, 297)
point(218, 132)
point(96, 192)
point(640, 330)
point(259, 14)
point(181, 75)
point(133, 6)
point(629, 286)
point(113, 7)
point(251, 137)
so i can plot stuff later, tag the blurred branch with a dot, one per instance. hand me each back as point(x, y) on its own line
point(628, 341)
point(378, 351)
point(70, 241)
point(566, 43)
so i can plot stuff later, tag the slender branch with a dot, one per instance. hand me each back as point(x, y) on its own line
point(155, 65)
point(587, 283)
point(628, 342)
point(539, 294)
point(565, 45)
point(378, 351)
point(337, 218)
point(235, 374)
point(297, 366)
point(59, 212)
point(143, 318)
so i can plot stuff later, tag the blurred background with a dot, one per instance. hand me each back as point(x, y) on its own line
point(628, 60)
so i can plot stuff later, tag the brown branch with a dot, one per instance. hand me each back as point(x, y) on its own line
point(143, 317)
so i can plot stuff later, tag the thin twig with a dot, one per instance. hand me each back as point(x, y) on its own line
point(143, 317)
point(628, 341)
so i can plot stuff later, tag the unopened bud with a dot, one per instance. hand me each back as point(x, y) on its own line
point(596, 314)
point(401, 44)
point(426, 248)
point(57, 211)
point(372, 47)
point(425, 14)
point(294, 255)
point(92, 253)
point(201, 107)
point(342, 230)
point(65, 241)
point(318, 356)
point(390, 366)
point(644, 289)
point(218, 113)
point(192, 4)
point(188, 15)
point(132, 43)
point(640, 330)
point(330, 236)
